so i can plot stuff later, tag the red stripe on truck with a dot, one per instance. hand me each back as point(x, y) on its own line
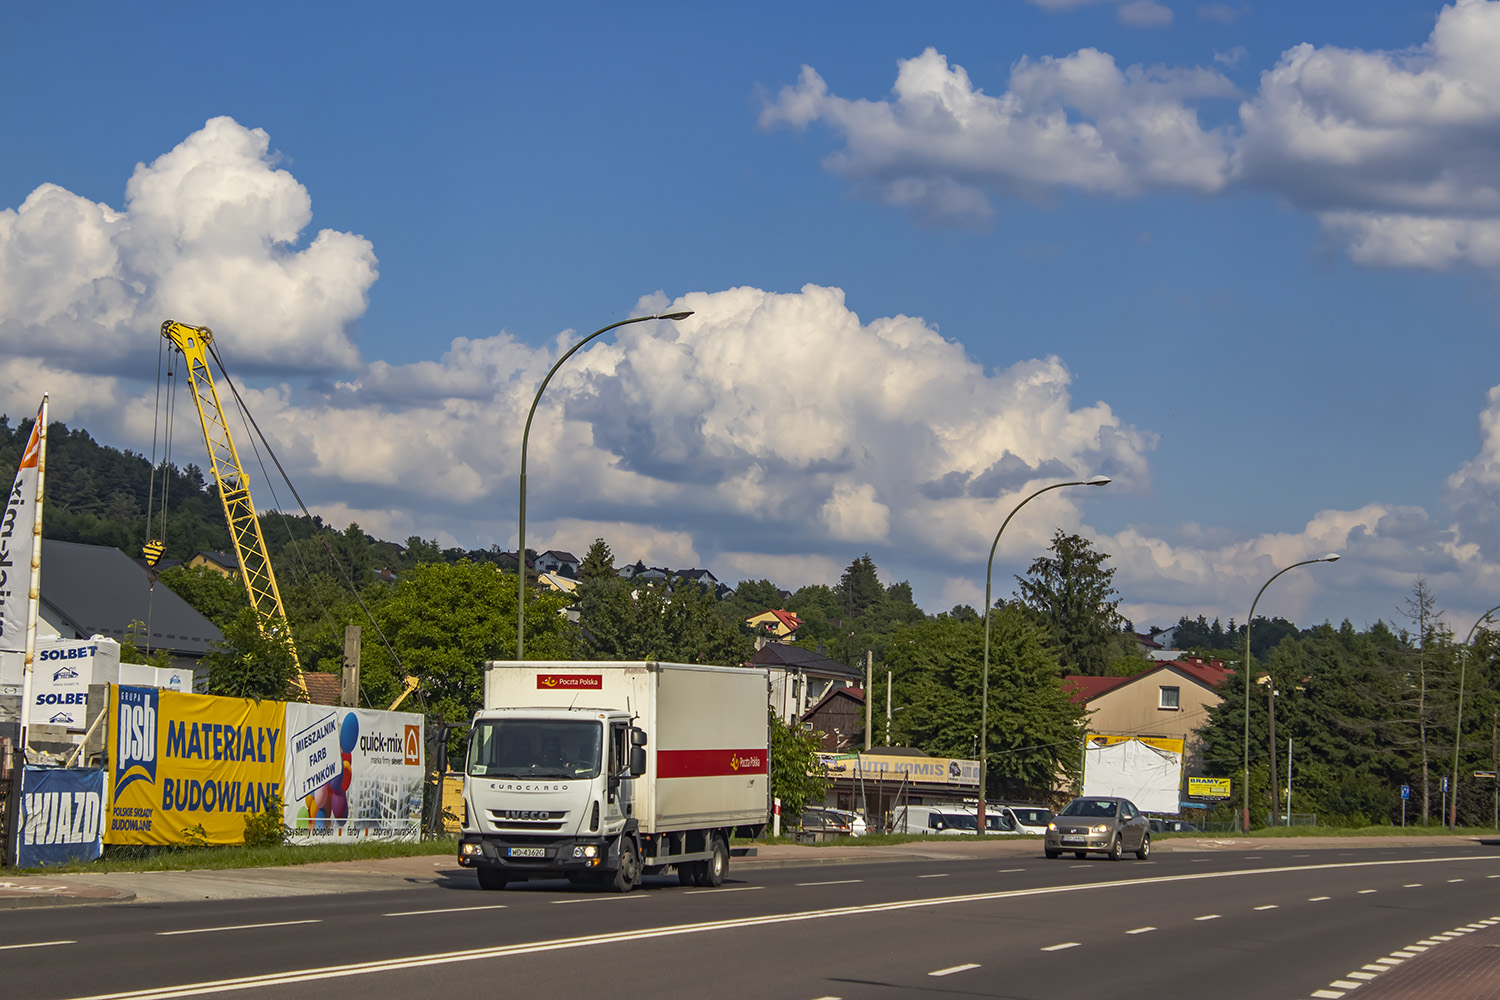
point(709, 763)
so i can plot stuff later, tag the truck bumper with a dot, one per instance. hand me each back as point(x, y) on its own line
point(531, 856)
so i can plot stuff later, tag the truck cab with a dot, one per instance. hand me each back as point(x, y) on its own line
point(550, 792)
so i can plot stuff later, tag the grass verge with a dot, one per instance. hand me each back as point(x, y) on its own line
point(179, 859)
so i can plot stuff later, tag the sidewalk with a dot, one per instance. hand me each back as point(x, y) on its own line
point(84, 888)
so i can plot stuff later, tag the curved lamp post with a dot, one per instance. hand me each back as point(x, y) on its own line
point(1458, 727)
point(675, 315)
point(984, 704)
point(1245, 791)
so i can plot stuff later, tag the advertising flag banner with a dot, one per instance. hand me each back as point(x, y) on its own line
point(353, 774)
point(62, 816)
point(17, 539)
point(184, 762)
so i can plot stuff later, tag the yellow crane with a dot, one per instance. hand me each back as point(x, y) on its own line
point(195, 344)
point(234, 487)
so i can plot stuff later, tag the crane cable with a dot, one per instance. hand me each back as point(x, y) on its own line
point(250, 419)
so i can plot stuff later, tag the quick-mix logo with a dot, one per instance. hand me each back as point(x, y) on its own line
point(582, 682)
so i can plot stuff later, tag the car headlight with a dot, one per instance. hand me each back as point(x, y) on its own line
point(1102, 828)
point(1052, 827)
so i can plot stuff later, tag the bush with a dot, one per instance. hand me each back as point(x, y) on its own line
point(265, 829)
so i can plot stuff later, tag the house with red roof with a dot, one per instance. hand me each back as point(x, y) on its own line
point(1171, 700)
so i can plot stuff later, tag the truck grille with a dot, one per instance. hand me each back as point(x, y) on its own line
point(540, 820)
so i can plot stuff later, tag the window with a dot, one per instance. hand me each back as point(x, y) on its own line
point(1170, 698)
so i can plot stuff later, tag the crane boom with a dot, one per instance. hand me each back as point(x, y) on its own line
point(234, 486)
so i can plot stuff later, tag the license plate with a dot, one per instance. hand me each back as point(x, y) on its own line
point(526, 852)
point(1075, 840)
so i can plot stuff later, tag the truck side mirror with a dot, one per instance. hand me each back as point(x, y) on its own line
point(637, 736)
point(637, 760)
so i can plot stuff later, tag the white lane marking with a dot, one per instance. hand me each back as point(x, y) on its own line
point(1455, 880)
point(1345, 984)
point(1317, 899)
point(1366, 892)
point(1412, 885)
point(320, 974)
point(1327, 994)
point(829, 998)
point(954, 968)
point(938, 875)
point(1492, 876)
point(1141, 930)
point(1208, 916)
point(1005, 871)
point(34, 944)
point(842, 881)
point(737, 888)
point(1389, 961)
point(235, 927)
point(606, 899)
point(1268, 906)
point(1061, 947)
point(1376, 968)
point(451, 909)
point(1404, 953)
point(1366, 976)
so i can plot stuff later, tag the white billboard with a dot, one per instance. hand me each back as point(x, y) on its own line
point(352, 774)
point(1145, 770)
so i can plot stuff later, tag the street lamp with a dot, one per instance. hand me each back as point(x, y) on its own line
point(675, 315)
point(1245, 791)
point(1458, 727)
point(984, 704)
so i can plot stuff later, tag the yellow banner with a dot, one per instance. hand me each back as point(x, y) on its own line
point(182, 761)
point(1208, 788)
point(1166, 743)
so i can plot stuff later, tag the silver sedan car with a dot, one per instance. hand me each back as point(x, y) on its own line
point(1102, 824)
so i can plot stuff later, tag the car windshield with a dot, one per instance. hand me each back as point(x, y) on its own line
point(1033, 817)
point(959, 821)
point(1101, 808)
point(535, 748)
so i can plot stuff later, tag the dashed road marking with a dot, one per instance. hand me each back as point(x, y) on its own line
point(1208, 916)
point(1317, 899)
point(1061, 947)
point(611, 899)
point(1268, 906)
point(1366, 892)
point(34, 944)
point(450, 909)
point(955, 968)
point(842, 881)
point(938, 875)
point(235, 927)
point(1141, 930)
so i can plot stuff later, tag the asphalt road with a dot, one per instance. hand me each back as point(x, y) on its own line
point(1228, 925)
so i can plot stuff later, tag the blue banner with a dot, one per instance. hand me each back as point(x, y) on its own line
point(62, 816)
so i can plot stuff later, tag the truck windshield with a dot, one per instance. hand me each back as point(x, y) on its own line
point(534, 748)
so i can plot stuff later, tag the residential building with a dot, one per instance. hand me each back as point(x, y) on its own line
point(800, 677)
point(779, 624)
point(561, 563)
point(1170, 700)
point(222, 563)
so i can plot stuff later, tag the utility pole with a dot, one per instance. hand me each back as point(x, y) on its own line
point(869, 697)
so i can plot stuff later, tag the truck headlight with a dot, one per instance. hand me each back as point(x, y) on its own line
point(587, 851)
point(468, 849)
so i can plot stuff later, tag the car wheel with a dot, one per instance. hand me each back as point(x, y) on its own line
point(1145, 850)
point(491, 878)
point(1114, 848)
point(1051, 854)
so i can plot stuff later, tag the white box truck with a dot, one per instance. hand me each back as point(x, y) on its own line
point(602, 772)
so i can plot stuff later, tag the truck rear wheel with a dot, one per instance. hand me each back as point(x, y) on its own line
point(711, 873)
point(687, 873)
point(491, 878)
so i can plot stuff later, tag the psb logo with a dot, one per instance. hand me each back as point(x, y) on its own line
point(135, 750)
point(412, 746)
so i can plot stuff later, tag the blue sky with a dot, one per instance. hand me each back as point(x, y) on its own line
point(1241, 257)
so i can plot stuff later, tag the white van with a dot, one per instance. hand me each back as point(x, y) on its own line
point(934, 819)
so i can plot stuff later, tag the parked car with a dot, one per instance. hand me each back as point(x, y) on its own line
point(824, 823)
point(934, 819)
point(1028, 819)
point(857, 825)
point(1101, 824)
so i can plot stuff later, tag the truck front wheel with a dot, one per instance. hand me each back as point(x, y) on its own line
point(491, 878)
point(628, 875)
point(711, 872)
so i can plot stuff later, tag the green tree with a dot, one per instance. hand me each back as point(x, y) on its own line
point(1071, 594)
point(213, 595)
point(444, 620)
point(629, 620)
point(1035, 729)
point(598, 563)
point(248, 664)
point(860, 591)
point(797, 779)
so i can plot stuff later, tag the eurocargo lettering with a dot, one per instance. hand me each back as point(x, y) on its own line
point(616, 770)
